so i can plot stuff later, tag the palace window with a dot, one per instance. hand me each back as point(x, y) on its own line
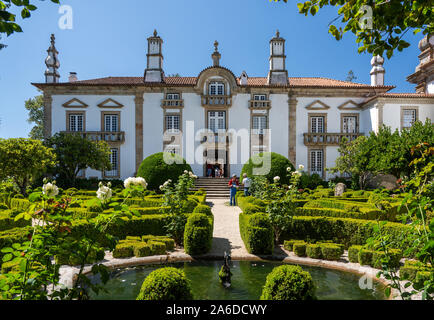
point(317, 124)
point(316, 162)
point(172, 96)
point(350, 124)
point(172, 123)
point(216, 89)
point(408, 117)
point(114, 160)
point(259, 124)
point(76, 122)
point(216, 120)
point(111, 122)
point(259, 97)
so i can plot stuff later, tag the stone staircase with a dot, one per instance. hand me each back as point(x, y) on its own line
point(214, 187)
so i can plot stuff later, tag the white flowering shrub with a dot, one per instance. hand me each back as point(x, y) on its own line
point(104, 192)
point(50, 189)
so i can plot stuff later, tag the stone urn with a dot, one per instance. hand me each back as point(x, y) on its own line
point(340, 188)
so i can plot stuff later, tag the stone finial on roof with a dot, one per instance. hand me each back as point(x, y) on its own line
point(377, 71)
point(52, 62)
point(155, 32)
point(216, 55)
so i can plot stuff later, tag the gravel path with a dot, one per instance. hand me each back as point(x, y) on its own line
point(226, 235)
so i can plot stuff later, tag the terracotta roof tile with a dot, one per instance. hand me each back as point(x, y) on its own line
point(191, 81)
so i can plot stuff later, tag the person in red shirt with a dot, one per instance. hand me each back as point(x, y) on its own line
point(233, 184)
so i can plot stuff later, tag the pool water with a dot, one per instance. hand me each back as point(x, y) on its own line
point(247, 281)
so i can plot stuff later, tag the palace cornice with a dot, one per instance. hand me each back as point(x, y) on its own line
point(400, 98)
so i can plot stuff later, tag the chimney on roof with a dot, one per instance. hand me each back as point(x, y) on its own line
point(73, 77)
point(52, 62)
point(154, 66)
point(377, 71)
point(278, 73)
point(243, 78)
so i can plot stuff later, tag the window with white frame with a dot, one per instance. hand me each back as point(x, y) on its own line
point(76, 122)
point(409, 116)
point(316, 162)
point(259, 97)
point(172, 123)
point(349, 124)
point(216, 89)
point(317, 124)
point(111, 122)
point(172, 96)
point(216, 120)
point(259, 124)
point(114, 160)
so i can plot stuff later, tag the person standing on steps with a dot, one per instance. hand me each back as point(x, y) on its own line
point(233, 184)
point(246, 184)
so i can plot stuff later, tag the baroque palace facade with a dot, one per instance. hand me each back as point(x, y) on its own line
point(218, 118)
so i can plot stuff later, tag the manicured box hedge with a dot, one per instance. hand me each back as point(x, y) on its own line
point(257, 233)
point(339, 213)
point(353, 253)
point(331, 251)
point(313, 251)
point(7, 221)
point(299, 248)
point(411, 268)
point(342, 230)
point(198, 234)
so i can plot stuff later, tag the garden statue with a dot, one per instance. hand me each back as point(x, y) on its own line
point(225, 272)
point(340, 189)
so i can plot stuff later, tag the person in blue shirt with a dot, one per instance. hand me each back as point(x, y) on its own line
point(233, 184)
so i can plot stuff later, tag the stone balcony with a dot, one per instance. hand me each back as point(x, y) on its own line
point(110, 137)
point(216, 101)
point(260, 104)
point(172, 103)
point(328, 139)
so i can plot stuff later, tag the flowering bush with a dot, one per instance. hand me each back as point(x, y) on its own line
point(50, 189)
point(175, 197)
point(104, 193)
point(135, 187)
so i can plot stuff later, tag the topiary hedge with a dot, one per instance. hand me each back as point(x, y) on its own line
point(342, 230)
point(166, 284)
point(257, 233)
point(156, 171)
point(278, 166)
point(202, 208)
point(313, 251)
point(353, 253)
point(198, 234)
point(288, 283)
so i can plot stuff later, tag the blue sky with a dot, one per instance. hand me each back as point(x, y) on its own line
point(109, 39)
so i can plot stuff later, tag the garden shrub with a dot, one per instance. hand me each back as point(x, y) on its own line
point(201, 208)
point(198, 234)
point(343, 230)
point(20, 204)
point(15, 235)
point(155, 171)
point(310, 181)
point(73, 260)
point(189, 205)
point(299, 248)
point(95, 208)
point(252, 209)
point(353, 253)
point(411, 267)
point(166, 284)
point(123, 250)
point(257, 233)
point(394, 254)
point(422, 276)
point(157, 247)
point(288, 282)
point(331, 251)
point(279, 164)
point(365, 257)
point(142, 249)
point(288, 244)
point(7, 221)
point(313, 251)
point(365, 214)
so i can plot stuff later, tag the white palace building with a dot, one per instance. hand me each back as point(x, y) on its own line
point(217, 117)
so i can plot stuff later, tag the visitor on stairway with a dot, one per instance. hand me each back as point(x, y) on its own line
point(233, 184)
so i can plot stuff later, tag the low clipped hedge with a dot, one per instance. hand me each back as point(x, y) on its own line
point(20, 204)
point(166, 284)
point(198, 234)
point(73, 260)
point(313, 251)
point(257, 233)
point(202, 208)
point(299, 248)
point(156, 171)
point(342, 230)
point(331, 251)
point(373, 257)
point(143, 246)
point(288, 282)
point(7, 221)
point(353, 253)
point(410, 269)
point(365, 214)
